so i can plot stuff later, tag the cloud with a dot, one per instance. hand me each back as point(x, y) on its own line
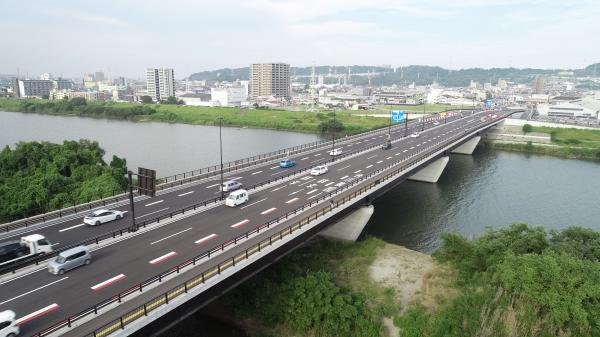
point(86, 17)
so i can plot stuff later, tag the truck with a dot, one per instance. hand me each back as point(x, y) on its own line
point(31, 245)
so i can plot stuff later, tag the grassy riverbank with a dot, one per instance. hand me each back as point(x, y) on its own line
point(565, 142)
point(301, 121)
point(515, 281)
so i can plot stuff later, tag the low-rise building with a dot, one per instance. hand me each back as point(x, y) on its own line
point(229, 96)
point(88, 95)
point(33, 88)
point(566, 110)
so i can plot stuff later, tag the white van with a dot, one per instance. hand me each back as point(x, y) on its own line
point(236, 198)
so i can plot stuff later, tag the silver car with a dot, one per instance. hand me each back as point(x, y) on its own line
point(69, 259)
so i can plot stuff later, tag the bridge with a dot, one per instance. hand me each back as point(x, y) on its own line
point(189, 246)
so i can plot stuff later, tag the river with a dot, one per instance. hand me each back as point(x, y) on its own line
point(487, 189)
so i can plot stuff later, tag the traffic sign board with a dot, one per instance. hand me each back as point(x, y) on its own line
point(398, 116)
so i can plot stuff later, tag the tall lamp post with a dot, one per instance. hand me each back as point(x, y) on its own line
point(390, 125)
point(423, 118)
point(333, 140)
point(221, 152)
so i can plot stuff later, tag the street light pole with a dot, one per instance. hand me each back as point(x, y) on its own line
point(390, 125)
point(406, 124)
point(221, 153)
point(423, 119)
point(333, 141)
point(131, 207)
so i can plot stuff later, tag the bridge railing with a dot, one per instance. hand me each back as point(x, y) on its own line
point(178, 180)
point(157, 219)
point(206, 275)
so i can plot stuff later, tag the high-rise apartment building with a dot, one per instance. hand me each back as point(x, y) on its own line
point(160, 83)
point(539, 85)
point(99, 76)
point(33, 88)
point(270, 79)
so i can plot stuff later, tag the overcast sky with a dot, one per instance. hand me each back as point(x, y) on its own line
point(124, 37)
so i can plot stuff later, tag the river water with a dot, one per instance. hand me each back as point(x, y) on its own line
point(487, 189)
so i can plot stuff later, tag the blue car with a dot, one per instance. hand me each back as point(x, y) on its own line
point(287, 163)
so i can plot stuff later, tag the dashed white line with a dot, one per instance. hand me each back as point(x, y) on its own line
point(170, 236)
point(369, 166)
point(345, 167)
point(108, 282)
point(344, 177)
point(211, 186)
point(241, 223)
point(291, 200)
point(318, 154)
point(357, 171)
point(304, 158)
point(379, 162)
point(314, 196)
point(257, 172)
point(388, 158)
point(186, 193)
point(272, 168)
point(254, 203)
point(311, 192)
point(163, 258)
point(267, 211)
point(34, 290)
point(37, 313)
point(333, 182)
point(372, 157)
point(274, 174)
point(154, 203)
point(160, 210)
point(300, 190)
point(404, 151)
point(206, 238)
point(68, 228)
point(278, 188)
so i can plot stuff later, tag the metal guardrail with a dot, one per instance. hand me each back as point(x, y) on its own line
point(11, 268)
point(180, 179)
point(163, 299)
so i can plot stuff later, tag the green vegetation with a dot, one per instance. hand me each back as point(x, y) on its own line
point(322, 290)
point(567, 142)
point(516, 281)
point(40, 177)
point(172, 113)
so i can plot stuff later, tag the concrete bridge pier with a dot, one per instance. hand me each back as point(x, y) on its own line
point(349, 227)
point(468, 147)
point(432, 172)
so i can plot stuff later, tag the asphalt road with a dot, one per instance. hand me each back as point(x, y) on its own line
point(124, 264)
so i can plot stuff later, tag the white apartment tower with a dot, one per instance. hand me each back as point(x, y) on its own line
point(270, 79)
point(160, 83)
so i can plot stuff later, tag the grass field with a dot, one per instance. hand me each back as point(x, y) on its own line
point(572, 137)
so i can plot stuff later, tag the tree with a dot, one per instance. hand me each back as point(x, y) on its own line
point(331, 126)
point(170, 100)
point(77, 101)
point(146, 99)
point(527, 128)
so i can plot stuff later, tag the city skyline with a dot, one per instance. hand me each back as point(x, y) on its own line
point(191, 37)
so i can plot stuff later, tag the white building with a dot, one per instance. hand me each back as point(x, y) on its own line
point(229, 96)
point(34, 88)
point(566, 110)
point(46, 76)
point(160, 83)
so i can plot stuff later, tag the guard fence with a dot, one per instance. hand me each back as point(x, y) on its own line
point(211, 272)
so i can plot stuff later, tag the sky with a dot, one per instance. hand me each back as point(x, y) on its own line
point(121, 37)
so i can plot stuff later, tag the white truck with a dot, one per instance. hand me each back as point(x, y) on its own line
point(30, 245)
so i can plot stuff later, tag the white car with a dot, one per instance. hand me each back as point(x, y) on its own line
point(8, 326)
point(436, 123)
point(318, 170)
point(101, 216)
point(335, 152)
point(414, 134)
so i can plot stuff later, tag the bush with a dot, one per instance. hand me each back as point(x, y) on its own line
point(527, 128)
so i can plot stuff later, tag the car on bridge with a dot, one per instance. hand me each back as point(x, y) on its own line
point(231, 185)
point(102, 216)
point(335, 152)
point(8, 325)
point(386, 145)
point(70, 259)
point(236, 198)
point(414, 135)
point(286, 163)
point(436, 123)
point(318, 170)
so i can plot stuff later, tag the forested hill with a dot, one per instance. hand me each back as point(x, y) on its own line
point(421, 75)
point(39, 177)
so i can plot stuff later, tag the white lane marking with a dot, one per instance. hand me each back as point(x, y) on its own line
point(257, 172)
point(274, 174)
point(412, 148)
point(357, 171)
point(316, 195)
point(278, 188)
point(344, 177)
point(316, 161)
point(241, 223)
point(318, 154)
point(267, 211)
point(37, 314)
point(287, 202)
point(404, 151)
point(372, 157)
point(345, 167)
point(108, 282)
point(206, 238)
point(154, 203)
point(388, 158)
point(170, 236)
point(311, 192)
point(236, 178)
point(162, 258)
point(369, 166)
point(379, 162)
point(304, 158)
point(34, 290)
point(272, 168)
point(160, 210)
point(186, 193)
point(66, 229)
point(306, 182)
point(397, 154)
point(254, 203)
point(54, 244)
point(211, 186)
point(333, 182)
point(296, 191)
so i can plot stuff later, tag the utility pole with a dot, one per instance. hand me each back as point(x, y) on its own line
point(221, 153)
point(406, 125)
point(333, 141)
point(131, 207)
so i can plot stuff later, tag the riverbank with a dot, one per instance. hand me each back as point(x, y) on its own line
point(575, 143)
point(348, 122)
point(514, 281)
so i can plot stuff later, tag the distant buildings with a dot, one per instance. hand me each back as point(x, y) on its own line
point(227, 96)
point(88, 95)
point(539, 85)
point(160, 83)
point(566, 110)
point(33, 88)
point(270, 80)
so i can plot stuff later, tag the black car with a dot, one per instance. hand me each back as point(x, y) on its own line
point(386, 145)
point(12, 250)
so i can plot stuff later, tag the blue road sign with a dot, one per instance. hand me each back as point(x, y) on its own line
point(489, 102)
point(398, 116)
